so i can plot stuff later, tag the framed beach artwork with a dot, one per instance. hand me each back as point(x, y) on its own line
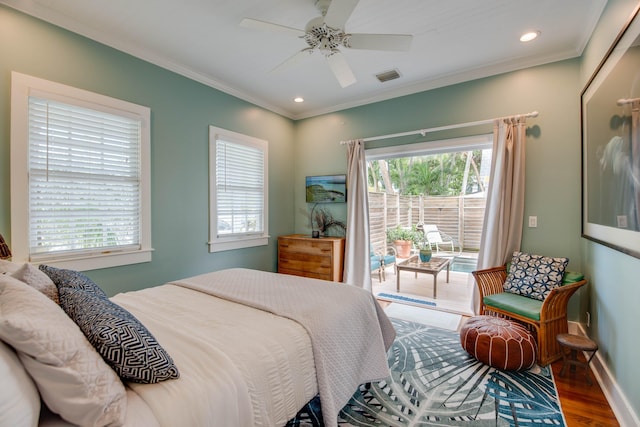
point(610, 114)
point(326, 189)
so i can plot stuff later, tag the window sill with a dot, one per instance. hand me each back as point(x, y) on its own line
point(228, 245)
point(94, 262)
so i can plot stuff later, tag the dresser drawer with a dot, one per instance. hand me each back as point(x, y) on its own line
point(310, 274)
point(305, 262)
point(311, 247)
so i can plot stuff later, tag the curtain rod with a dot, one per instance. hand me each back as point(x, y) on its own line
point(623, 101)
point(423, 132)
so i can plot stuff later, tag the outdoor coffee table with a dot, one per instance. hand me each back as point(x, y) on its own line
point(433, 267)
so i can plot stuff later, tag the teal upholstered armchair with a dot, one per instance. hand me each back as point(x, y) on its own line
point(381, 260)
point(376, 266)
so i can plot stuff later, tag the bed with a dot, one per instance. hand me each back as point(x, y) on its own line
point(239, 348)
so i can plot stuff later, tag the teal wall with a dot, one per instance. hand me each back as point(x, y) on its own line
point(553, 144)
point(181, 110)
point(614, 289)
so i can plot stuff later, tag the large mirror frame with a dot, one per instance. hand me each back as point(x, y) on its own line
point(610, 115)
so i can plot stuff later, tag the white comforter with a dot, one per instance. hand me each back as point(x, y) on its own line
point(349, 331)
point(238, 366)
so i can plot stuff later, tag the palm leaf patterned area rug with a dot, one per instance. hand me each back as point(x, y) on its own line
point(434, 382)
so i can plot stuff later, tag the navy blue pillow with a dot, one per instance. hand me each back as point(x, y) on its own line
point(120, 338)
point(71, 279)
point(122, 341)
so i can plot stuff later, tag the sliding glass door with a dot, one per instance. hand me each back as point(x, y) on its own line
point(436, 186)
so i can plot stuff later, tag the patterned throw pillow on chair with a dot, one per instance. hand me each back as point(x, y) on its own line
point(534, 276)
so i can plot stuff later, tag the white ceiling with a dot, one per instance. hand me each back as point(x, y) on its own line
point(453, 41)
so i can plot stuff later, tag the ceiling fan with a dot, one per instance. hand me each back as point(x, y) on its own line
point(326, 34)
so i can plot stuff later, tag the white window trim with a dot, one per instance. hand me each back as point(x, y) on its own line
point(22, 86)
point(465, 143)
point(224, 243)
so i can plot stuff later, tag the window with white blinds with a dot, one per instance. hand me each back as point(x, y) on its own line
point(238, 167)
point(84, 179)
point(87, 180)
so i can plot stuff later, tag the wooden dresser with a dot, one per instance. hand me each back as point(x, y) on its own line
point(321, 258)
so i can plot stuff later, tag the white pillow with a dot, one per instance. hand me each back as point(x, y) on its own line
point(8, 267)
point(19, 398)
point(72, 378)
point(38, 280)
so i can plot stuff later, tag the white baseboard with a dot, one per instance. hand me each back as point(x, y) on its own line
point(614, 395)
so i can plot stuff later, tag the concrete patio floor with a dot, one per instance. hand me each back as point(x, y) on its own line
point(454, 297)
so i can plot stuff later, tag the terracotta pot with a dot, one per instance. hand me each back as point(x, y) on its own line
point(403, 248)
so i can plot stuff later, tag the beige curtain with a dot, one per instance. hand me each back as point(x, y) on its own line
point(357, 261)
point(503, 217)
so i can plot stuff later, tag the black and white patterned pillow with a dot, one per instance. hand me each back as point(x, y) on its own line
point(71, 279)
point(120, 338)
point(534, 276)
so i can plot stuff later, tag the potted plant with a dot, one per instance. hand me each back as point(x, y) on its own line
point(425, 250)
point(403, 239)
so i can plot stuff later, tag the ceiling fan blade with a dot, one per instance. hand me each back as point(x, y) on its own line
point(268, 26)
point(397, 42)
point(341, 69)
point(339, 12)
point(292, 60)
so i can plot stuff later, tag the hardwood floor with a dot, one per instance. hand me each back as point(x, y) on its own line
point(582, 404)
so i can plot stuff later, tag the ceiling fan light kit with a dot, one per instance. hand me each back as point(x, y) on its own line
point(321, 36)
point(326, 34)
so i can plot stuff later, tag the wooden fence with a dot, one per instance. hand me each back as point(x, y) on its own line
point(459, 217)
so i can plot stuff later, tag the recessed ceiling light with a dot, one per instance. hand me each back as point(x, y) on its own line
point(298, 99)
point(531, 35)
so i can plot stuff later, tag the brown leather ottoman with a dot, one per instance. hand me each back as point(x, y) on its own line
point(501, 343)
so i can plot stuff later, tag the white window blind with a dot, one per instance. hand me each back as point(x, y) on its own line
point(84, 180)
point(239, 190)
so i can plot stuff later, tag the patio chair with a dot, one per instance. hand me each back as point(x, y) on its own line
point(547, 318)
point(437, 240)
point(376, 266)
point(382, 260)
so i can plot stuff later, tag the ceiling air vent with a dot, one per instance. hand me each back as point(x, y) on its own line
point(388, 75)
